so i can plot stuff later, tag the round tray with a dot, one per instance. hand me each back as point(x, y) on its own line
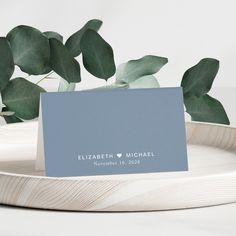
point(211, 178)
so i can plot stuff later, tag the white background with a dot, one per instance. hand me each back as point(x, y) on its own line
point(210, 221)
point(184, 31)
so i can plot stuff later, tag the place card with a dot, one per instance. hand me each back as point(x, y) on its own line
point(107, 132)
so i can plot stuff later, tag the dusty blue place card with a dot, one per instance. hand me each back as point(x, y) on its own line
point(113, 132)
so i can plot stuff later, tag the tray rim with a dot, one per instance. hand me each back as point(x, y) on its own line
point(105, 177)
point(124, 193)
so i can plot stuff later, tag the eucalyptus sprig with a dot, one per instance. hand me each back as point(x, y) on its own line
point(43, 53)
point(197, 82)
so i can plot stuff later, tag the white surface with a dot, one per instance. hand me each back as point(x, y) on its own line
point(211, 221)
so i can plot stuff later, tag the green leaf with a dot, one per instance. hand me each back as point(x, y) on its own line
point(73, 42)
point(12, 118)
point(98, 58)
point(22, 97)
point(112, 86)
point(30, 48)
point(1, 104)
point(63, 63)
point(206, 109)
point(134, 69)
point(53, 35)
point(64, 86)
point(47, 70)
point(148, 81)
point(198, 79)
point(6, 63)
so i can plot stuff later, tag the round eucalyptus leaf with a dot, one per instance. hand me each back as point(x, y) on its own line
point(1, 104)
point(135, 69)
point(53, 35)
point(30, 48)
point(47, 70)
point(64, 86)
point(112, 86)
point(6, 63)
point(98, 58)
point(73, 42)
point(22, 97)
point(205, 109)
point(147, 81)
point(198, 79)
point(63, 63)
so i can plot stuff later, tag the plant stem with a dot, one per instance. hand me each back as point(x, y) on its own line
point(45, 77)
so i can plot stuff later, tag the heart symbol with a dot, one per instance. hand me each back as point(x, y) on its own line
point(119, 155)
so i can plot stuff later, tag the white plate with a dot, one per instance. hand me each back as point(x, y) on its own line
point(211, 178)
